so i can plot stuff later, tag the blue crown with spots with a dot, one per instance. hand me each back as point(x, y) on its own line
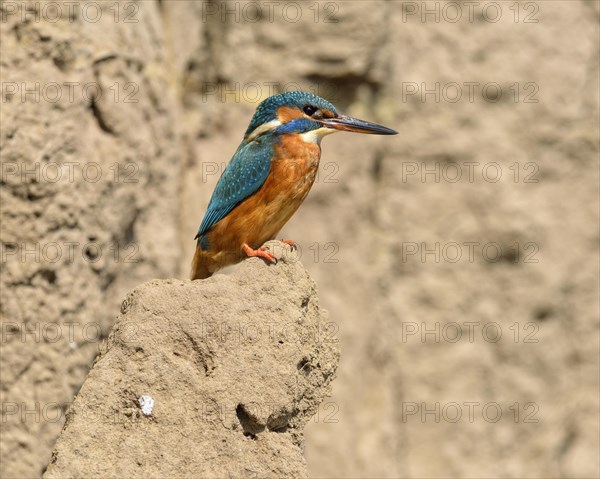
point(267, 110)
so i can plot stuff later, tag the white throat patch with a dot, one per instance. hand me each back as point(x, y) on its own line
point(315, 136)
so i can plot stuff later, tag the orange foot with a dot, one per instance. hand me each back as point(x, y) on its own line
point(291, 243)
point(261, 252)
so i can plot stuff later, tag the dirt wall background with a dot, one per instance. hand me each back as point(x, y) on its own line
point(161, 94)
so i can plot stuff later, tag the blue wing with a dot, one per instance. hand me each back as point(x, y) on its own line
point(243, 176)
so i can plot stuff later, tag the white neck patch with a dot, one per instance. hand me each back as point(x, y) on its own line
point(264, 128)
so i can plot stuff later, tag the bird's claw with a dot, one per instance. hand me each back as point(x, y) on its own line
point(291, 243)
point(262, 252)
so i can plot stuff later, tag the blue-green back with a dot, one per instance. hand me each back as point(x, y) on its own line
point(243, 176)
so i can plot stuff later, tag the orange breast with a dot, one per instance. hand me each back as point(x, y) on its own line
point(261, 216)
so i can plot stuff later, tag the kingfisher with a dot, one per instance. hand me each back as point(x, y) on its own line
point(268, 178)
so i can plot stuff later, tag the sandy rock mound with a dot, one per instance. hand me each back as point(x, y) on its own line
point(213, 378)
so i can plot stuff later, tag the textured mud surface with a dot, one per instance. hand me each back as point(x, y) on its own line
point(231, 369)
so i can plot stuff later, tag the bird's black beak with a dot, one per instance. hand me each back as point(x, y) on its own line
point(347, 123)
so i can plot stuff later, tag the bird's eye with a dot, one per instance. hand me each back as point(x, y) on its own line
point(309, 110)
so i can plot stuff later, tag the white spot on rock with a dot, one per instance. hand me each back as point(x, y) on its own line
point(147, 404)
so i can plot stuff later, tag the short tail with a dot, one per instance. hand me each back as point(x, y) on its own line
point(200, 266)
